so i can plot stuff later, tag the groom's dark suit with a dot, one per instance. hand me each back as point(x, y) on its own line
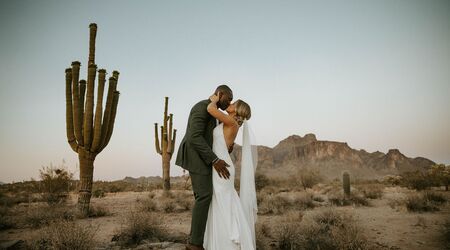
point(195, 155)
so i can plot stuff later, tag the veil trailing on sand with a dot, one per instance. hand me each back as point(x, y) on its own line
point(247, 185)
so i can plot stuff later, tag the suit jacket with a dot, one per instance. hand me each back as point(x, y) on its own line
point(195, 151)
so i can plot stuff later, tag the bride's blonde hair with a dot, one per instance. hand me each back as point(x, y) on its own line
point(243, 111)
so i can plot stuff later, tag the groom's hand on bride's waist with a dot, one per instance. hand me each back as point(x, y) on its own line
point(221, 168)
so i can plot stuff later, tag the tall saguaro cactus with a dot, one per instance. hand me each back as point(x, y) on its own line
point(346, 184)
point(165, 148)
point(88, 135)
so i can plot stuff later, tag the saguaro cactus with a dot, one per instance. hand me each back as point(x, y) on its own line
point(165, 149)
point(87, 135)
point(346, 184)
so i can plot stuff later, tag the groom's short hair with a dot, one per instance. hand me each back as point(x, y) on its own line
point(224, 89)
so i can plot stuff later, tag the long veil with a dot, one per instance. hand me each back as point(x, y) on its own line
point(247, 185)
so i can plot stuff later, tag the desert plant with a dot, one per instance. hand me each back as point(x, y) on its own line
point(309, 177)
point(346, 183)
point(416, 180)
point(54, 184)
point(261, 181)
point(139, 226)
point(98, 211)
point(323, 229)
point(371, 191)
point(168, 137)
point(45, 215)
point(420, 203)
point(88, 136)
point(440, 175)
point(98, 193)
point(65, 235)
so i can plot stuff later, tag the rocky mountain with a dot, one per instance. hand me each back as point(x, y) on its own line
point(330, 158)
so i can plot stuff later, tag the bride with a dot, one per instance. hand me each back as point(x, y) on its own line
point(231, 219)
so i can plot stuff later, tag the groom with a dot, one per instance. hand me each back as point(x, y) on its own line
point(195, 155)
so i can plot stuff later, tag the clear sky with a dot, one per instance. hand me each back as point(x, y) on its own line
point(374, 74)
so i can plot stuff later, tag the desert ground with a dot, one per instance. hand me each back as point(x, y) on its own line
point(375, 216)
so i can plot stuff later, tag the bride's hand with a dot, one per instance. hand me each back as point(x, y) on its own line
point(214, 98)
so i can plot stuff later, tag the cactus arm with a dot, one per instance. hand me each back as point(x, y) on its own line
point(174, 139)
point(108, 108)
point(98, 111)
point(69, 113)
point(112, 119)
point(82, 86)
point(76, 102)
point(163, 141)
point(169, 138)
point(92, 36)
point(158, 148)
point(89, 109)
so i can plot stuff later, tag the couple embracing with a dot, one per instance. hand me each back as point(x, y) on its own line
point(221, 219)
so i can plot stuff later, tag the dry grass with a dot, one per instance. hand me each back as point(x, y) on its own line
point(371, 191)
point(39, 216)
point(65, 235)
point(420, 203)
point(323, 229)
point(167, 202)
point(139, 226)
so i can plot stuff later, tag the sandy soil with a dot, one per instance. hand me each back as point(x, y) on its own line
point(389, 228)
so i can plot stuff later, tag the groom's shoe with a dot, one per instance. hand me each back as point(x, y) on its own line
point(194, 247)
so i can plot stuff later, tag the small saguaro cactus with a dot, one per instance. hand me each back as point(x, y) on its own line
point(88, 135)
point(167, 145)
point(346, 184)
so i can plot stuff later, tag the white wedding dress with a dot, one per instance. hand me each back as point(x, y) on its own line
point(228, 227)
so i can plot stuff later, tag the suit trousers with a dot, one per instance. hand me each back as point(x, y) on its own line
point(203, 190)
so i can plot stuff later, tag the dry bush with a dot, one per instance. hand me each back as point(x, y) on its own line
point(420, 203)
point(184, 201)
point(323, 229)
point(139, 226)
point(148, 205)
point(303, 200)
point(262, 236)
point(274, 204)
point(417, 180)
point(65, 235)
point(371, 191)
point(98, 211)
point(435, 197)
point(261, 181)
point(55, 184)
point(339, 199)
point(307, 178)
point(45, 215)
point(446, 233)
point(6, 221)
point(167, 205)
point(98, 193)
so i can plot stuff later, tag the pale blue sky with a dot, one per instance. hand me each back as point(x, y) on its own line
point(375, 74)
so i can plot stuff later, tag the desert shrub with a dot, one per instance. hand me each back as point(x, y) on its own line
point(371, 191)
point(421, 203)
point(446, 233)
point(440, 175)
point(184, 201)
point(98, 193)
point(417, 180)
point(323, 229)
point(262, 236)
point(65, 235)
point(392, 180)
point(167, 205)
point(148, 205)
point(45, 215)
point(55, 184)
point(303, 201)
point(274, 204)
point(435, 197)
point(6, 221)
point(139, 226)
point(261, 181)
point(98, 211)
point(307, 178)
point(339, 199)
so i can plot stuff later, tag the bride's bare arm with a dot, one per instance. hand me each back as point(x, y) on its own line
point(216, 113)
